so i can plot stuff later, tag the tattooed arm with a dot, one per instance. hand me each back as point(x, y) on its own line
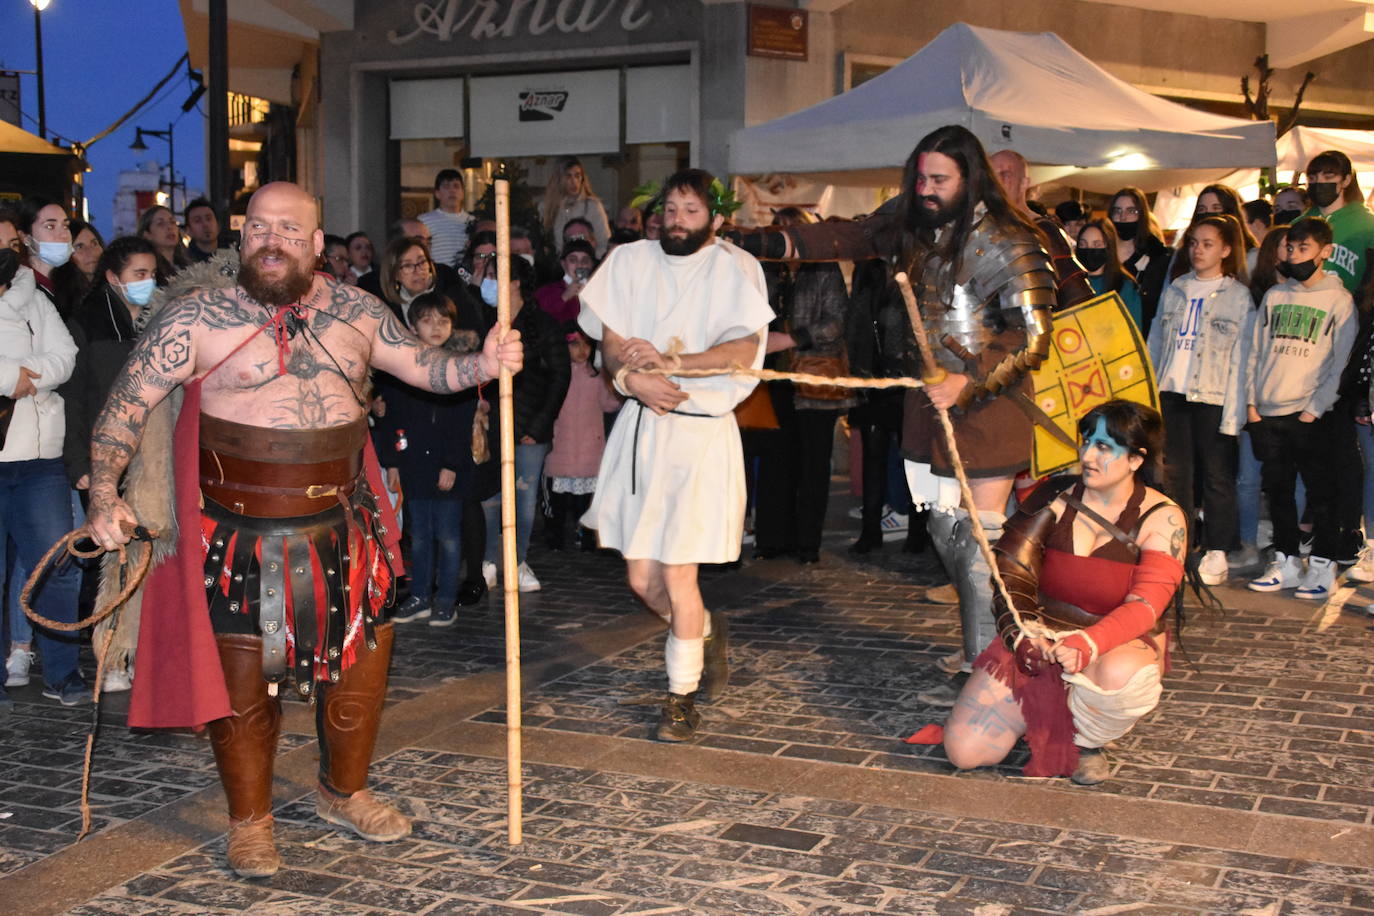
point(163, 358)
point(397, 351)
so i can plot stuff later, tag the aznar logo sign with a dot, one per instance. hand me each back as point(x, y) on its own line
point(537, 105)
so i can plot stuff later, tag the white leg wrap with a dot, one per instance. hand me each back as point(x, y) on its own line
point(1101, 716)
point(683, 658)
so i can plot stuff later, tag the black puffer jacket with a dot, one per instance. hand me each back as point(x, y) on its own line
point(104, 334)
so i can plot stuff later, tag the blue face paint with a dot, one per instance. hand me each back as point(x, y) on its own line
point(1101, 439)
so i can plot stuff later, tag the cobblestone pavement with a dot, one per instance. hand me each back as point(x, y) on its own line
point(1260, 712)
point(1249, 791)
point(602, 843)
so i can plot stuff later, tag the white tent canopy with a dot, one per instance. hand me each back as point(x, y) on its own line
point(1174, 205)
point(1015, 90)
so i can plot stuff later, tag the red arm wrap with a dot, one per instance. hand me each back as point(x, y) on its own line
point(1157, 576)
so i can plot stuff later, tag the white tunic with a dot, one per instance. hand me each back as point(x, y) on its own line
point(671, 488)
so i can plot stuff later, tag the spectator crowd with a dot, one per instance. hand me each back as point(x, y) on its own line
point(1256, 319)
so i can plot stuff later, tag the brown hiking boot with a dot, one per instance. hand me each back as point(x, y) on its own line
point(679, 718)
point(252, 851)
point(363, 814)
point(1093, 767)
point(716, 660)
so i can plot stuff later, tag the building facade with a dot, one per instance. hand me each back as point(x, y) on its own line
point(386, 92)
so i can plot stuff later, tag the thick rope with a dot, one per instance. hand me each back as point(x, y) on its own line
point(68, 543)
point(1029, 628)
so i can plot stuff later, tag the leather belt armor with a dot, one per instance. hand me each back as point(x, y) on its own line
point(1002, 280)
point(289, 507)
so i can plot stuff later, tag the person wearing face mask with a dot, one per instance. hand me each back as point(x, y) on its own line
point(1197, 347)
point(1096, 249)
point(1140, 248)
point(104, 330)
point(73, 281)
point(559, 298)
point(1302, 335)
point(539, 393)
point(36, 356)
point(46, 234)
point(1334, 191)
point(1290, 202)
point(9, 232)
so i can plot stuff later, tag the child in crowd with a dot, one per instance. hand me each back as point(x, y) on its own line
point(579, 438)
point(1195, 345)
point(1302, 336)
point(423, 438)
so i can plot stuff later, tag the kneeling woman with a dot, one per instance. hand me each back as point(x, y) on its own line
point(1097, 561)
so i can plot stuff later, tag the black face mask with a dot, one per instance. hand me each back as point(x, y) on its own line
point(1286, 217)
point(1126, 230)
point(1092, 259)
point(1323, 193)
point(1302, 271)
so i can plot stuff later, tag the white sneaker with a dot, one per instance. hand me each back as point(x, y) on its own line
point(17, 667)
point(894, 524)
point(1363, 570)
point(1283, 572)
point(1317, 581)
point(489, 573)
point(1247, 555)
point(116, 682)
point(1213, 569)
point(528, 582)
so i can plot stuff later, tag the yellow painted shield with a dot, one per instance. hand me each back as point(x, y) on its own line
point(1098, 354)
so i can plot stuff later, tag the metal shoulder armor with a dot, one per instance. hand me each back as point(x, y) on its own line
point(1010, 265)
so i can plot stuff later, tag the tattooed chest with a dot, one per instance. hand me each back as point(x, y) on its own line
point(298, 387)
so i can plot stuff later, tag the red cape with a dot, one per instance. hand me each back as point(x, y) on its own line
point(180, 683)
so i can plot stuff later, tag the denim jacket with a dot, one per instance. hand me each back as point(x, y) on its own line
point(1222, 346)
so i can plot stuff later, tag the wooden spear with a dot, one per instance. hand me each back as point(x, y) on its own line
point(510, 573)
point(934, 374)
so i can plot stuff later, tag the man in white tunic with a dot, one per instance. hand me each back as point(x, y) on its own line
point(670, 493)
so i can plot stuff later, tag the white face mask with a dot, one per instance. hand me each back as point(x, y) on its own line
point(490, 290)
point(55, 253)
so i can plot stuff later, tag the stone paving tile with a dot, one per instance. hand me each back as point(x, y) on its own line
point(1260, 713)
point(715, 859)
point(42, 744)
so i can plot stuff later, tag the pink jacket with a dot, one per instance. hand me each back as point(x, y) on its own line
point(579, 433)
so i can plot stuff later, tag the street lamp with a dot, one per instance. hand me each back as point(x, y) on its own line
point(38, 7)
point(140, 146)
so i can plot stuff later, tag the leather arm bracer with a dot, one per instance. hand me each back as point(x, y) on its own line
point(1020, 554)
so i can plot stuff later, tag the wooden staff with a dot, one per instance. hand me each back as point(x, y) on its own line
point(934, 375)
point(510, 572)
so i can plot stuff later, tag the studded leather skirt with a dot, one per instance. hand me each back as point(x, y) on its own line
point(313, 584)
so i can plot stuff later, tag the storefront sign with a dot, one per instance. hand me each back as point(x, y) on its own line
point(490, 19)
point(777, 32)
point(542, 114)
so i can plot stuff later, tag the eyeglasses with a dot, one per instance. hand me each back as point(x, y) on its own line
point(489, 256)
point(406, 267)
point(1126, 211)
point(259, 232)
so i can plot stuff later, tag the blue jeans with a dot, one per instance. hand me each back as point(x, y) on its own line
point(1364, 433)
point(434, 548)
point(36, 510)
point(529, 468)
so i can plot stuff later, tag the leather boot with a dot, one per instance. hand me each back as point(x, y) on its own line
point(347, 715)
point(245, 745)
point(973, 579)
